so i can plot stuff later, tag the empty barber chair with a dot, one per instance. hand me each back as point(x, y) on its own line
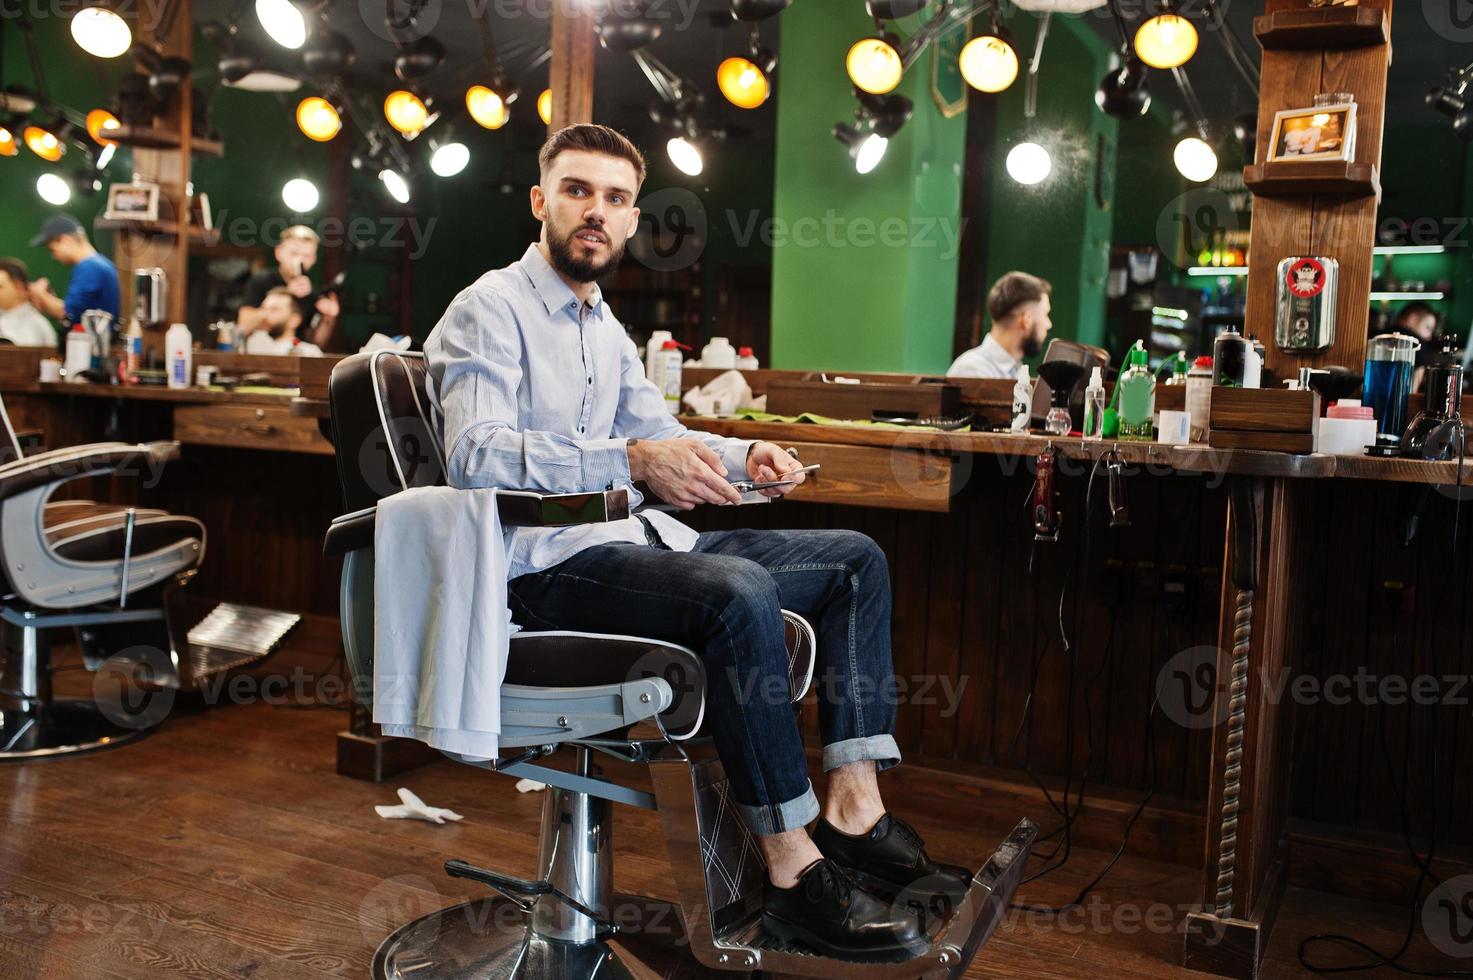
point(585, 693)
point(103, 570)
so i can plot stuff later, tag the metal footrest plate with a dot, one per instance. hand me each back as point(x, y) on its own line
point(234, 636)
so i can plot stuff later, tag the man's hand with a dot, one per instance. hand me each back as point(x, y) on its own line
point(299, 286)
point(683, 472)
point(767, 461)
point(328, 306)
point(43, 299)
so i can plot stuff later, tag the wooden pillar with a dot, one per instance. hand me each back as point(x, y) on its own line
point(571, 74)
point(1325, 208)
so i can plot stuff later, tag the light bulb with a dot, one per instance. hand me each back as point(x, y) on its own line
point(7, 143)
point(395, 184)
point(686, 156)
point(1166, 41)
point(44, 144)
point(873, 65)
point(106, 156)
point(450, 159)
point(870, 153)
point(300, 194)
point(101, 32)
point(743, 83)
point(544, 106)
point(53, 189)
point(318, 119)
point(988, 63)
point(486, 107)
point(1029, 164)
point(99, 123)
point(1195, 160)
point(283, 21)
point(406, 112)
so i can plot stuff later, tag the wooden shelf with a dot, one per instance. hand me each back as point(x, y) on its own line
point(1287, 178)
point(1325, 27)
point(154, 138)
point(162, 229)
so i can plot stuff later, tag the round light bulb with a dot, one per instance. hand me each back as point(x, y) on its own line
point(988, 63)
point(486, 107)
point(1166, 41)
point(743, 83)
point(318, 119)
point(7, 143)
point(283, 21)
point(101, 33)
point(686, 156)
point(1195, 160)
point(395, 184)
point(1029, 164)
point(44, 144)
point(53, 189)
point(300, 194)
point(450, 159)
point(544, 106)
point(870, 153)
point(873, 65)
point(406, 112)
point(99, 123)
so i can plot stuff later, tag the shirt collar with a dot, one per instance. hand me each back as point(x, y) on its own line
point(998, 354)
point(553, 292)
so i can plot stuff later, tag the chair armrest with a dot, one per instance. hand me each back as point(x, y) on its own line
point(517, 508)
point(75, 462)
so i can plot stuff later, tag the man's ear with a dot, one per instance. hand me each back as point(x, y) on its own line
point(539, 203)
point(633, 224)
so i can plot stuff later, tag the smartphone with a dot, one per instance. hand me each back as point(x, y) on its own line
point(747, 486)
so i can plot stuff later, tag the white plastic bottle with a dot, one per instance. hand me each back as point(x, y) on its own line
point(179, 355)
point(746, 360)
point(718, 354)
point(1199, 396)
point(653, 358)
point(1094, 406)
point(78, 352)
point(670, 376)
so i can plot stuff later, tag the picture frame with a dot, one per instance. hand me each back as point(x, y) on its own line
point(1324, 132)
point(132, 202)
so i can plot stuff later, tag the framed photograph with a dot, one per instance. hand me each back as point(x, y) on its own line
point(132, 202)
point(1321, 133)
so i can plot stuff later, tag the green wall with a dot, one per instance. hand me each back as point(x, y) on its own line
point(1057, 229)
point(845, 295)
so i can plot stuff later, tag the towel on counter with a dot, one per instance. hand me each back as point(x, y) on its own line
point(441, 627)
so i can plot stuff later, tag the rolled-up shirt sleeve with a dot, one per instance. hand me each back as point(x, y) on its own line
point(475, 361)
point(642, 414)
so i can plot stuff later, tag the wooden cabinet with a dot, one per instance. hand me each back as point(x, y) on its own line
point(249, 427)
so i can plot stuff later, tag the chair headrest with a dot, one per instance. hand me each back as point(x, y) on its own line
point(384, 430)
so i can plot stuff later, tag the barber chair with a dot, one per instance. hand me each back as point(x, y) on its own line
point(585, 693)
point(105, 570)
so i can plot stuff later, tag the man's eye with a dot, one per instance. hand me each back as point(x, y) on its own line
point(576, 191)
point(616, 199)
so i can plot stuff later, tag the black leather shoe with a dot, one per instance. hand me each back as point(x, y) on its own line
point(892, 862)
point(829, 912)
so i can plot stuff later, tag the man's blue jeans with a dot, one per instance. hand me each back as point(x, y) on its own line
point(724, 600)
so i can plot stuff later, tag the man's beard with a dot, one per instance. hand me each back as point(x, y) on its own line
point(1032, 344)
point(576, 269)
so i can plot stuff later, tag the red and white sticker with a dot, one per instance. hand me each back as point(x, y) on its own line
point(1306, 278)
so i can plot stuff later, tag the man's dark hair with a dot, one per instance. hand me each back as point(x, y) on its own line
point(16, 270)
point(1013, 290)
point(595, 139)
point(1415, 309)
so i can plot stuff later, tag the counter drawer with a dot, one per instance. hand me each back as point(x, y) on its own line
point(249, 427)
point(871, 476)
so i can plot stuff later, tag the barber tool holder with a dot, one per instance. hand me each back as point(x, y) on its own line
point(1273, 419)
point(865, 400)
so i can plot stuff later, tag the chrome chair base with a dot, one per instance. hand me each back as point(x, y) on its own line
point(491, 939)
point(60, 728)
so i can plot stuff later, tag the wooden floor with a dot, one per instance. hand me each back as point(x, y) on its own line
point(225, 846)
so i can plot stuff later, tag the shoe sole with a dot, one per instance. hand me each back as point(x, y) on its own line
point(790, 932)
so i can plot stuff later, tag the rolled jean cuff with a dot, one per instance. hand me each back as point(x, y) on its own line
point(880, 749)
point(777, 818)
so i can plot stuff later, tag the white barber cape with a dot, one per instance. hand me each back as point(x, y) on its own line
point(441, 627)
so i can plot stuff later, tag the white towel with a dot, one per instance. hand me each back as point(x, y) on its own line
point(440, 627)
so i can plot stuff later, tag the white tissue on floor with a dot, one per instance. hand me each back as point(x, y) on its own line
point(413, 808)
point(529, 786)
